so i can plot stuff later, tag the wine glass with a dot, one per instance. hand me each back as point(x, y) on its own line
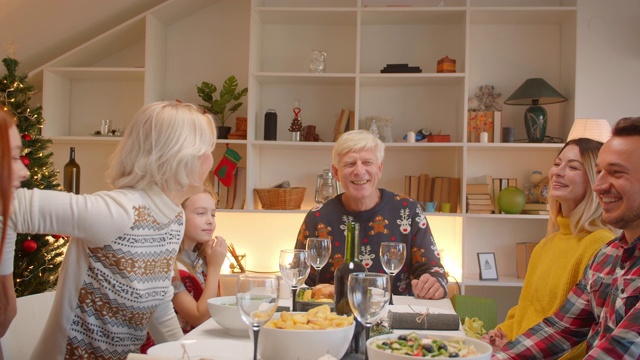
point(294, 268)
point(392, 256)
point(319, 252)
point(257, 298)
point(368, 295)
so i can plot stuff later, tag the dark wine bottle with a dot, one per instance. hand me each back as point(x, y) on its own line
point(350, 265)
point(72, 173)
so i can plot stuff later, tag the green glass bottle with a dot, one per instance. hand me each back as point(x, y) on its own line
point(350, 265)
point(72, 173)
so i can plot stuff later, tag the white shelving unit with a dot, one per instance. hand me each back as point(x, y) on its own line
point(267, 44)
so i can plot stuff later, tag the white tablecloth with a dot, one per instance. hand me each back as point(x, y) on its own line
point(211, 330)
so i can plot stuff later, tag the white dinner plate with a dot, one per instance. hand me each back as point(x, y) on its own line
point(213, 349)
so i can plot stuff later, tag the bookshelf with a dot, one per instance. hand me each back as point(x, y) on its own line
point(165, 52)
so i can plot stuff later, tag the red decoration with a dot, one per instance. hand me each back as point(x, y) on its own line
point(26, 137)
point(29, 246)
point(25, 160)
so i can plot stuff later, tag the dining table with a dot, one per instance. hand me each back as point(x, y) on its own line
point(241, 347)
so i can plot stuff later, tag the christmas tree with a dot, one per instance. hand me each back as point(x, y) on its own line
point(38, 257)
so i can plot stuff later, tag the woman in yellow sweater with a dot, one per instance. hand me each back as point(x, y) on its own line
point(575, 233)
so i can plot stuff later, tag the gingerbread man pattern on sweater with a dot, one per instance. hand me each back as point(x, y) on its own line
point(395, 219)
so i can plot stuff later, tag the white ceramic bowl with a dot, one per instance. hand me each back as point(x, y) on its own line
point(483, 349)
point(279, 344)
point(224, 310)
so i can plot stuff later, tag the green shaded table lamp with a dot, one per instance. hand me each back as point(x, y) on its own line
point(535, 92)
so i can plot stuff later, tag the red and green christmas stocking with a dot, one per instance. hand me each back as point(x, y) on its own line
point(227, 166)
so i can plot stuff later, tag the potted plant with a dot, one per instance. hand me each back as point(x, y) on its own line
point(223, 104)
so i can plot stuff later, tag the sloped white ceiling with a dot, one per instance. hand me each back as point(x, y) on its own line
point(42, 30)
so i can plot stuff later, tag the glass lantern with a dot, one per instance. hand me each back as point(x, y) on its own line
point(326, 186)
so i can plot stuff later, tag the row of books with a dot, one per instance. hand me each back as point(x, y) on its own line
point(345, 122)
point(440, 189)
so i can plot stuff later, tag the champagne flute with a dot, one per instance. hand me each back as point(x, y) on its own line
point(368, 295)
point(294, 268)
point(392, 257)
point(257, 298)
point(319, 252)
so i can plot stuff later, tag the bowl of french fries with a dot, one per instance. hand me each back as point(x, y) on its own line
point(305, 335)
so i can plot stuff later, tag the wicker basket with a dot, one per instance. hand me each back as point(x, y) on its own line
point(281, 199)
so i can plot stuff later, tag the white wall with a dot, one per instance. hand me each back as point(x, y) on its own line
point(608, 59)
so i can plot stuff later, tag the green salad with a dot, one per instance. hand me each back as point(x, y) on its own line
point(415, 345)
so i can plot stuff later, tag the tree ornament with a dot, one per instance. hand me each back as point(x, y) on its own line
point(29, 245)
point(225, 169)
point(25, 160)
point(26, 137)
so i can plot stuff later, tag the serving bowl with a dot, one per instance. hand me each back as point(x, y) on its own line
point(281, 344)
point(483, 350)
point(224, 310)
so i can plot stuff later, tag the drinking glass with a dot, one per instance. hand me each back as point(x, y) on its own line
point(392, 257)
point(294, 268)
point(319, 252)
point(257, 298)
point(368, 295)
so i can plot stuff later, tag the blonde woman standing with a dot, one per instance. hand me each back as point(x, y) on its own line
point(115, 280)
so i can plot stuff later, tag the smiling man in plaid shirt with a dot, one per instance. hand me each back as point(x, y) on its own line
point(603, 308)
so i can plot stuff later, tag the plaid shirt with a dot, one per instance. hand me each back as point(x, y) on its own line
point(602, 308)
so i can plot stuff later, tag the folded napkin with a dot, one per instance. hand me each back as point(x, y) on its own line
point(418, 321)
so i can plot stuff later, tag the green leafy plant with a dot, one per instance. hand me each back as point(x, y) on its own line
point(226, 102)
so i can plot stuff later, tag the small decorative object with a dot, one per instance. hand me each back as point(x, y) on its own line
point(411, 137)
point(326, 186)
point(439, 138)
point(508, 134)
point(535, 92)
point(446, 65)
point(296, 124)
point(236, 267)
point(488, 266)
point(317, 64)
point(226, 167)
point(382, 124)
point(270, 125)
point(479, 121)
point(373, 128)
point(241, 129)
point(511, 200)
point(486, 99)
point(217, 104)
point(105, 127)
point(531, 190)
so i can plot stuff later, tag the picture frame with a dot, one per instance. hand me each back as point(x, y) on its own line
point(488, 266)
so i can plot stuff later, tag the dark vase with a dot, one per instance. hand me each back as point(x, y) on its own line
point(223, 132)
